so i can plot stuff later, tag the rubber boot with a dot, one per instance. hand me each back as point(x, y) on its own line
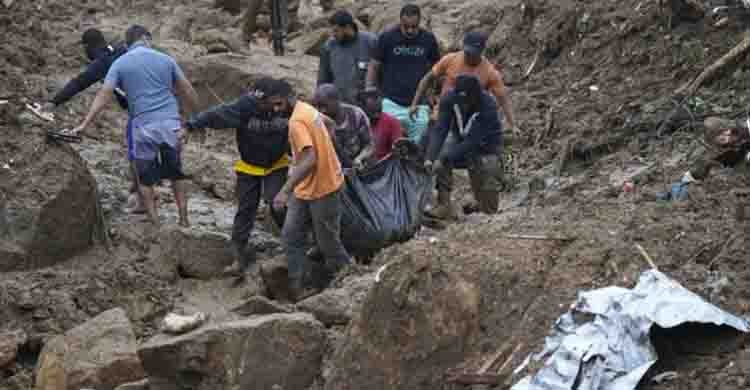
point(444, 208)
point(488, 201)
point(242, 260)
point(298, 290)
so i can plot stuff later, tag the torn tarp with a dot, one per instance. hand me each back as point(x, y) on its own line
point(603, 342)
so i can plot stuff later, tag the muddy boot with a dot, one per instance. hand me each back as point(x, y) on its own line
point(488, 201)
point(298, 291)
point(444, 208)
point(242, 260)
point(314, 254)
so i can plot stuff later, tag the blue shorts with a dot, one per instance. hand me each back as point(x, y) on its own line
point(129, 139)
point(413, 128)
point(166, 166)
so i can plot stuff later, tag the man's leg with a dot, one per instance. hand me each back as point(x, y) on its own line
point(444, 208)
point(248, 197)
point(326, 220)
point(171, 169)
point(137, 205)
point(486, 176)
point(294, 236)
point(250, 19)
point(147, 172)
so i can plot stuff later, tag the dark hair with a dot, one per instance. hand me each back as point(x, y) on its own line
point(411, 10)
point(343, 18)
point(135, 33)
point(327, 92)
point(93, 38)
point(266, 87)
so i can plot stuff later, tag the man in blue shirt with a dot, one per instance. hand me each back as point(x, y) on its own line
point(101, 56)
point(468, 117)
point(150, 80)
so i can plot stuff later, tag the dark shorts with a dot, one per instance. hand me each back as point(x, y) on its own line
point(129, 139)
point(166, 166)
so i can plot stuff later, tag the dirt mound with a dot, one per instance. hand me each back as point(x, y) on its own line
point(415, 322)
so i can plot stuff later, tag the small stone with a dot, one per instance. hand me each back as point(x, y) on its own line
point(9, 344)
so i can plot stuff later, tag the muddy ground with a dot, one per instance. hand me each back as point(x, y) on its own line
point(587, 115)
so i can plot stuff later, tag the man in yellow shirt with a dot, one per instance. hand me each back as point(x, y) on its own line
point(262, 140)
point(311, 193)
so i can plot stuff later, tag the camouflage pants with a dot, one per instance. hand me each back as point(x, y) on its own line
point(485, 177)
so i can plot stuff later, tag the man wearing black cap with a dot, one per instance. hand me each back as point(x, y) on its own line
point(471, 117)
point(345, 56)
point(263, 144)
point(468, 61)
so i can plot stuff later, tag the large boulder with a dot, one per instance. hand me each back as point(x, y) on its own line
point(48, 203)
point(255, 353)
point(224, 77)
point(418, 321)
point(100, 354)
point(336, 306)
point(197, 253)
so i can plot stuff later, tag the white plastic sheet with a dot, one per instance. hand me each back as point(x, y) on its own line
point(603, 342)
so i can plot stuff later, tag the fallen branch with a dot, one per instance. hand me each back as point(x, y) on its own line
point(533, 64)
point(465, 378)
point(646, 257)
point(724, 249)
point(537, 237)
point(730, 59)
point(509, 359)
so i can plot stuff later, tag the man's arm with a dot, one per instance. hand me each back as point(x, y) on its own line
point(224, 116)
point(373, 71)
point(364, 133)
point(187, 95)
point(94, 72)
point(426, 81)
point(440, 131)
point(377, 56)
point(501, 95)
point(102, 99)
point(324, 69)
point(302, 167)
point(507, 108)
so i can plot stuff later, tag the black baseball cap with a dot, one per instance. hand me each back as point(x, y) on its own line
point(342, 18)
point(474, 43)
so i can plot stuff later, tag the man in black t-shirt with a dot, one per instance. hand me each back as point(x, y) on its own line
point(403, 55)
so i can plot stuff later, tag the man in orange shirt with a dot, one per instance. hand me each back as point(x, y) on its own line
point(311, 193)
point(468, 61)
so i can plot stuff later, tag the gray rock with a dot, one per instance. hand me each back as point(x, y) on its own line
point(99, 354)
point(256, 353)
point(197, 253)
point(48, 212)
point(143, 384)
point(259, 305)
point(337, 306)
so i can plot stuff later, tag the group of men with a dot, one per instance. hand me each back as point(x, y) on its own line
point(371, 92)
point(398, 67)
